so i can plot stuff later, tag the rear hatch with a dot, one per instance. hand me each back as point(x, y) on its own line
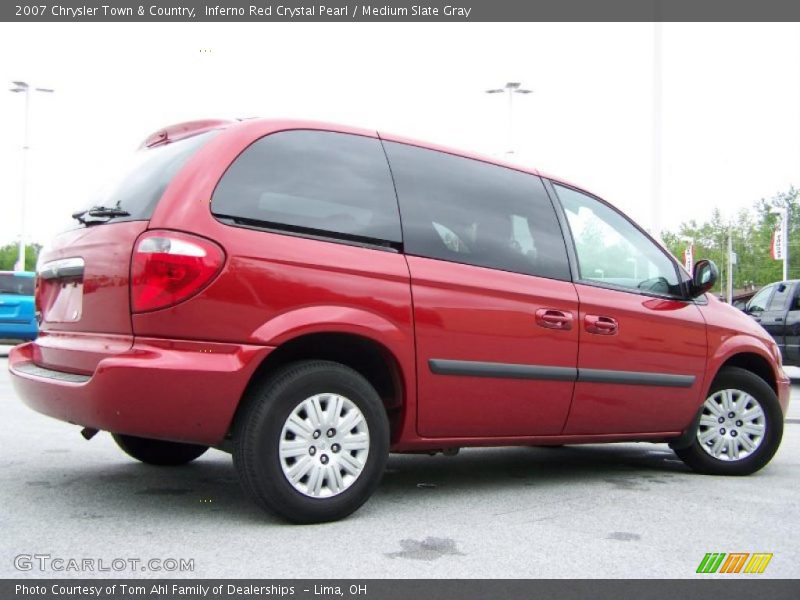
point(16, 298)
point(83, 282)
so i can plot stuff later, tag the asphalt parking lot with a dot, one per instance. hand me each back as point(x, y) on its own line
point(620, 510)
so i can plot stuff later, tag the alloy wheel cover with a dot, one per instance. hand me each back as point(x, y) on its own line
point(324, 445)
point(732, 426)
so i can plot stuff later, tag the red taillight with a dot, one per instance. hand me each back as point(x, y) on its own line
point(169, 267)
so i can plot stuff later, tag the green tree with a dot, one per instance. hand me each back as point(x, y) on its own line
point(751, 232)
point(10, 252)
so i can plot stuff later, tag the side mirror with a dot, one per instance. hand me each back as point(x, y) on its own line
point(704, 278)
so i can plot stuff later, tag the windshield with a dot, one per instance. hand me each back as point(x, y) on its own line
point(136, 187)
point(18, 285)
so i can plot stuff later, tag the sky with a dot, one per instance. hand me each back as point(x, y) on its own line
point(730, 101)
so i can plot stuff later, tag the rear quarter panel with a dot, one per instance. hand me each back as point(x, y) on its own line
point(275, 287)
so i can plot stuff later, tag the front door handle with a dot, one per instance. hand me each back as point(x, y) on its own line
point(600, 325)
point(554, 319)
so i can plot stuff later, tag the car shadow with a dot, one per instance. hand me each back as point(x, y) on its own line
point(540, 467)
point(208, 489)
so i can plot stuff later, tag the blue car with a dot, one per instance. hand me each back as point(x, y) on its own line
point(17, 311)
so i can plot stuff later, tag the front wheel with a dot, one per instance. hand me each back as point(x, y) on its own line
point(312, 441)
point(740, 427)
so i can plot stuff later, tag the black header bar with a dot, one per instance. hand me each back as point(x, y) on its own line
point(401, 11)
point(732, 587)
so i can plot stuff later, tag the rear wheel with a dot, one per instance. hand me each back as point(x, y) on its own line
point(158, 452)
point(740, 427)
point(312, 442)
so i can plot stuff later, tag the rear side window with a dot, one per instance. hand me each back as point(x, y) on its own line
point(137, 186)
point(471, 212)
point(796, 298)
point(778, 301)
point(16, 285)
point(312, 182)
point(759, 302)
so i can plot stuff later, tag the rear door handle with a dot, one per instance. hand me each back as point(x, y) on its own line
point(600, 325)
point(554, 319)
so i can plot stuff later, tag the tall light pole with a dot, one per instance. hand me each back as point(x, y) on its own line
point(655, 200)
point(511, 88)
point(731, 262)
point(20, 87)
point(632, 260)
point(688, 253)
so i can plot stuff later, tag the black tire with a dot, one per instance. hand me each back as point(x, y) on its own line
point(739, 379)
point(259, 428)
point(158, 452)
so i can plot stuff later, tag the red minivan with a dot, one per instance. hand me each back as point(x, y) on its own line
point(311, 297)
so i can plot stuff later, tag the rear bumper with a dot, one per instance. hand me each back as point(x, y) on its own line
point(165, 389)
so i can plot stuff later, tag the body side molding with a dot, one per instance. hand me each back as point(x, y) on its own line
point(502, 370)
point(468, 368)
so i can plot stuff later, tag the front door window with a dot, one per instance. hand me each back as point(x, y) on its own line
point(612, 251)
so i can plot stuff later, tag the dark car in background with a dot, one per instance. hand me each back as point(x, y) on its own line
point(17, 312)
point(777, 308)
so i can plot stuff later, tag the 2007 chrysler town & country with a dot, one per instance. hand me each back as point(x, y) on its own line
point(312, 297)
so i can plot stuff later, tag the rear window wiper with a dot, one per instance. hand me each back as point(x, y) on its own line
point(99, 212)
